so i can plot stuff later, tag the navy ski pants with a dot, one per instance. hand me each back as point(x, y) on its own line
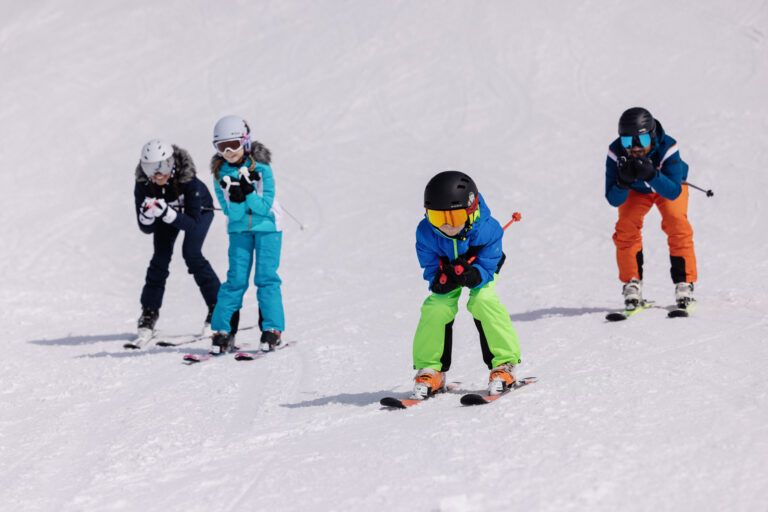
point(164, 238)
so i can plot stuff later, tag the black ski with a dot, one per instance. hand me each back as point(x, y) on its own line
point(679, 312)
point(485, 398)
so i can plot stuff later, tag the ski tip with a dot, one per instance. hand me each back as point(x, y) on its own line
point(677, 313)
point(165, 344)
point(243, 356)
point(615, 317)
point(474, 399)
point(131, 346)
point(392, 403)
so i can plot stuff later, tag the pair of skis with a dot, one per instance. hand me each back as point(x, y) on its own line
point(677, 312)
point(147, 335)
point(391, 402)
point(239, 353)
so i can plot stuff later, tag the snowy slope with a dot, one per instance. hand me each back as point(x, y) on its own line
point(361, 103)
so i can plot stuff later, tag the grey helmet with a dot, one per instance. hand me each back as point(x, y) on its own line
point(230, 128)
point(157, 157)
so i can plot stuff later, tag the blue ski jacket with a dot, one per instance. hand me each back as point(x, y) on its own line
point(482, 240)
point(664, 155)
point(260, 211)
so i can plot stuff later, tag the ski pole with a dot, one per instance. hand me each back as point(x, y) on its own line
point(459, 269)
point(301, 226)
point(708, 191)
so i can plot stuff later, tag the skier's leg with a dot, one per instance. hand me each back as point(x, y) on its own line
point(498, 340)
point(157, 272)
point(267, 281)
point(628, 236)
point(432, 343)
point(230, 298)
point(674, 222)
point(197, 265)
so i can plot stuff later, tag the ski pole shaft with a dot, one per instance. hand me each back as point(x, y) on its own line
point(515, 217)
point(301, 225)
point(706, 191)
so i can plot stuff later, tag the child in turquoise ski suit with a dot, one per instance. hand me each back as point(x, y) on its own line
point(245, 188)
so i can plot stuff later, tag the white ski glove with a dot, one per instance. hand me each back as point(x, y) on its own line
point(170, 214)
point(146, 216)
point(161, 210)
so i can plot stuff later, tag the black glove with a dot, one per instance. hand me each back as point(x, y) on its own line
point(444, 281)
point(233, 188)
point(245, 186)
point(466, 274)
point(627, 173)
point(645, 169)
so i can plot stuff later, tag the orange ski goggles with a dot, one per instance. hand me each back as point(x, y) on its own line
point(455, 218)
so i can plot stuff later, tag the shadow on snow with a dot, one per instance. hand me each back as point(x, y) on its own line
point(538, 314)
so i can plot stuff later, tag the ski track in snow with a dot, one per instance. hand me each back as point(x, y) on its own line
point(361, 103)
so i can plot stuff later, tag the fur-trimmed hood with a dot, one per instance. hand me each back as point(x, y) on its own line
point(184, 167)
point(259, 153)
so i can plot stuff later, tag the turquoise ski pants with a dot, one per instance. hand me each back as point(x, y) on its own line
point(242, 248)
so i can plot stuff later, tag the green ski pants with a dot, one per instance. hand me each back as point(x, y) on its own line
point(433, 341)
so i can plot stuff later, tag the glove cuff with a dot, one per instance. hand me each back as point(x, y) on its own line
point(146, 221)
point(170, 215)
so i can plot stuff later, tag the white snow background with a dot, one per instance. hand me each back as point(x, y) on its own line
point(361, 103)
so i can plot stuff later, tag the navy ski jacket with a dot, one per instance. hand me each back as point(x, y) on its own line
point(184, 192)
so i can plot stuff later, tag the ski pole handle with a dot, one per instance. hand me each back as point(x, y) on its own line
point(515, 218)
point(443, 278)
point(459, 269)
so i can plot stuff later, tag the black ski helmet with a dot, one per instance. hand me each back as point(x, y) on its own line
point(450, 190)
point(636, 121)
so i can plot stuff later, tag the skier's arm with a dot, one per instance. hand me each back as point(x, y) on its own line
point(488, 254)
point(192, 207)
point(139, 194)
point(613, 193)
point(262, 204)
point(220, 197)
point(668, 181)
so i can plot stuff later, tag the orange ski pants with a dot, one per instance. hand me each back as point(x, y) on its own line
point(674, 222)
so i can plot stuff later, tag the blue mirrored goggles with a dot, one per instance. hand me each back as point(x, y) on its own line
point(639, 141)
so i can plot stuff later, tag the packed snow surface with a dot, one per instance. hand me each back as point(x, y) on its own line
point(361, 103)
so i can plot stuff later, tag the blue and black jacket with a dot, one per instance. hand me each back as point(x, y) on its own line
point(671, 170)
point(183, 192)
point(483, 241)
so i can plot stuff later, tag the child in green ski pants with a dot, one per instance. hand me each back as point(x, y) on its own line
point(458, 244)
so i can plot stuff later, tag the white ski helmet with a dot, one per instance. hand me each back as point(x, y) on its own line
point(230, 128)
point(157, 157)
